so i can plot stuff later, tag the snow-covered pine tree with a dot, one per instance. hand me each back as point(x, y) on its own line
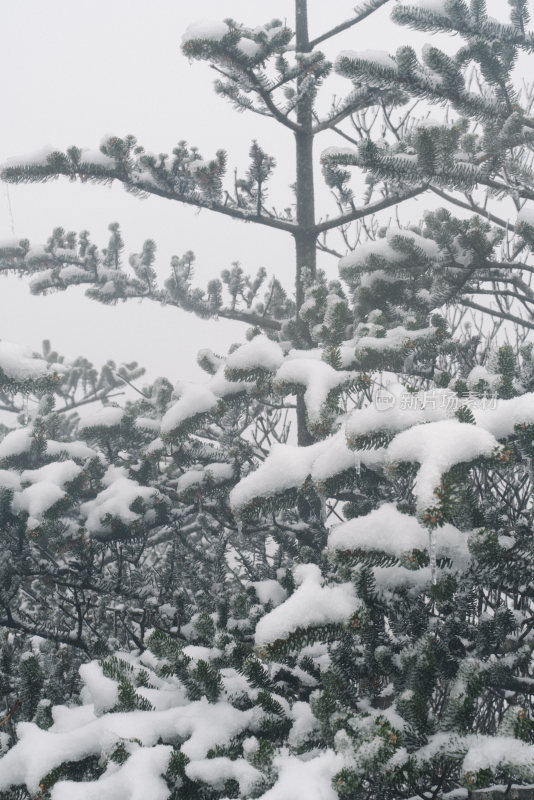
point(278, 73)
point(396, 631)
point(64, 508)
point(386, 669)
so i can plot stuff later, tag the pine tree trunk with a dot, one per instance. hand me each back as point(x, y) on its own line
point(305, 237)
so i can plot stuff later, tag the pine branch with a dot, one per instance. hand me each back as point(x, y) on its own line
point(250, 319)
point(372, 208)
point(374, 5)
point(324, 249)
point(98, 174)
point(11, 711)
point(87, 401)
point(36, 630)
point(523, 191)
point(271, 105)
point(494, 313)
point(472, 207)
point(364, 100)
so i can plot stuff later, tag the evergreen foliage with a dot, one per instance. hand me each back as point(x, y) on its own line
point(308, 576)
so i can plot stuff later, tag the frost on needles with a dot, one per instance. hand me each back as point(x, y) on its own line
point(309, 575)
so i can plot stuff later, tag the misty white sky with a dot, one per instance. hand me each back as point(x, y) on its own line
point(75, 70)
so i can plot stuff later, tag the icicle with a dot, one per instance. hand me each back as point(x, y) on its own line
point(10, 209)
point(432, 555)
point(324, 512)
point(357, 464)
point(239, 527)
point(25, 414)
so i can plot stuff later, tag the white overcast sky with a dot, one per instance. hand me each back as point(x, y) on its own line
point(75, 70)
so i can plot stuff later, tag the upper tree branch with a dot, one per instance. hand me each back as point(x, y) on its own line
point(329, 123)
point(219, 208)
point(85, 172)
point(251, 319)
point(472, 207)
point(372, 208)
point(271, 105)
point(343, 26)
point(494, 313)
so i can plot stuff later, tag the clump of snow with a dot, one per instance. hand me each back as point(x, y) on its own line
point(206, 30)
point(217, 472)
point(140, 777)
point(222, 387)
point(388, 248)
point(305, 780)
point(384, 529)
point(388, 530)
point(197, 164)
point(74, 449)
point(339, 152)
point(260, 353)
point(376, 57)
point(115, 500)
point(147, 424)
point(58, 472)
point(212, 473)
point(11, 245)
point(381, 248)
point(389, 579)
point(72, 273)
point(18, 362)
point(438, 446)
point(201, 653)
point(37, 254)
point(16, 442)
point(269, 591)
point(345, 349)
point(333, 459)
point(99, 690)
point(492, 752)
point(77, 733)
point(9, 480)
point(428, 246)
point(304, 724)
point(248, 47)
point(318, 377)
point(311, 604)
point(97, 157)
point(36, 500)
point(396, 409)
point(107, 417)
point(436, 6)
point(30, 159)
point(288, 466)
point(480, 373)
point(216, 771)
point(394, 339)
point(500, 421)
point(194, 399)
point(155, 446)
